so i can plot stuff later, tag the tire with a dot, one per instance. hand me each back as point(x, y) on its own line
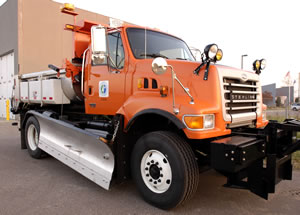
point(32, 134)
point(164, 169)
point(294, 109)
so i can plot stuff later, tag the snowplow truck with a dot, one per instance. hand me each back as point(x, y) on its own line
point(134, 103)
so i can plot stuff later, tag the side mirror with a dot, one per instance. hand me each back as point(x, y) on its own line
point(99, 44)
point(159, 66)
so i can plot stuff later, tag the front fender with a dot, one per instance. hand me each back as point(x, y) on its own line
point(136, 106)
point(159, 112)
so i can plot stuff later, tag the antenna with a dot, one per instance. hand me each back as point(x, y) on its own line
point(145, 43)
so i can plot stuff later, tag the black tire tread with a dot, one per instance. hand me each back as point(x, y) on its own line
point(191, 167)
point(38, 153)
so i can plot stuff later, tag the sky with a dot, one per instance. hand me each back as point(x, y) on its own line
point(259, 28)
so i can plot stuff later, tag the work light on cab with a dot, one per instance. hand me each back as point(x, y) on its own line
point(263, 63)
point(211, 51)
point(259, 65)
point(219, 55)
point(212, 54)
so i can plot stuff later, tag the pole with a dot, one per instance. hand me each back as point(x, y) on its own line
point(289, 100)
point(298, 87)
point(7, 110)
point(242, 60)
point(289, 83)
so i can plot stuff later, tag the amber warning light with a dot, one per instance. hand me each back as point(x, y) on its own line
point(69, 9)
point(68, 6)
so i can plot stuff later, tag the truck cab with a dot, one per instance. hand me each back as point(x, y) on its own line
point(123, 83)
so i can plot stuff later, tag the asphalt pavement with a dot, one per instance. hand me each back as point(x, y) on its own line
point(46, 186)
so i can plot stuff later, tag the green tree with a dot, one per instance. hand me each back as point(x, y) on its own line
point(297, 100)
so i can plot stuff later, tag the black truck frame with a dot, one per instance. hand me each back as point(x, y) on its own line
point(257, 159)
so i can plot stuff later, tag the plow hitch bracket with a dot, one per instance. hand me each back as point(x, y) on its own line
point(257, 159)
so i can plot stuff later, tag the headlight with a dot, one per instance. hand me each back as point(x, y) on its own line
point(211, 51)
point(199, 122)
point(209, 121)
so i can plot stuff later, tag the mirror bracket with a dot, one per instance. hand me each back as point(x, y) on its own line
point(159, 67)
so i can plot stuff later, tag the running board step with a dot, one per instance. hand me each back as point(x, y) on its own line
point(77, 148)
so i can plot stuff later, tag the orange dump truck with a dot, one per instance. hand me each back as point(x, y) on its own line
point(133, 102)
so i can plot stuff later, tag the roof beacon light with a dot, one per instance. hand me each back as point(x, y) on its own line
point(68, 6)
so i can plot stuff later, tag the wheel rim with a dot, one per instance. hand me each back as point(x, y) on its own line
point(32, 137)
point(156, 171)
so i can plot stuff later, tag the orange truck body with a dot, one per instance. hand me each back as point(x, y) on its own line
point(127, 98)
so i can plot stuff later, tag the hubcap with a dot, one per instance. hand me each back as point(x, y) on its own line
point(156, 171)
point(32, 137)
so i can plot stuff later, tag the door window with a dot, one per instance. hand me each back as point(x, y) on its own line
point(116, 51)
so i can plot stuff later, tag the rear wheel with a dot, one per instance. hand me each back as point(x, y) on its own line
point(32, 134)
point(164, 169)
point(294, 109)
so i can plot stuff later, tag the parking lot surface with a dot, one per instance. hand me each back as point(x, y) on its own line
point(46, 186)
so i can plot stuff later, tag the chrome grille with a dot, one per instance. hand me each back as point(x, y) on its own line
point(240, 97)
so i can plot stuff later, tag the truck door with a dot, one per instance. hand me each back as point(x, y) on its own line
point(104, 87)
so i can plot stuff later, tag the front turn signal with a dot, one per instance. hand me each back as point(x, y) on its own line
point(194, 122)
point(199, 122)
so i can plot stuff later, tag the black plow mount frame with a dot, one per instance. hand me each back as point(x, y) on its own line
point(257, 159)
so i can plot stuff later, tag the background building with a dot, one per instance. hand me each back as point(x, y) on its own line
point(270, 94)
point(31, 37)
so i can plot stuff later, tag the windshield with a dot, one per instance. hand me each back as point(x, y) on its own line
point(157, 45)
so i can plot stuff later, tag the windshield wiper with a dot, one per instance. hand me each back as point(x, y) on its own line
point(179, 58)
point(154, 55)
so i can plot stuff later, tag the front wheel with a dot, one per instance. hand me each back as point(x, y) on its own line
point(164, 169)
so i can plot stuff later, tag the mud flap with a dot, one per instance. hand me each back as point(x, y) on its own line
point(77, 148)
